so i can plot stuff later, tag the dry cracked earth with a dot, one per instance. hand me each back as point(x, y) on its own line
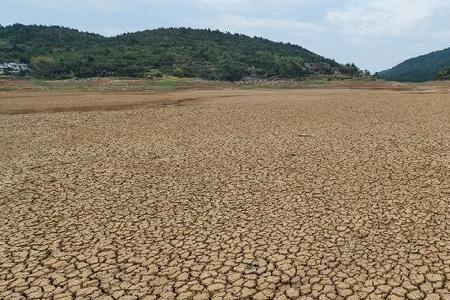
point(299, 194)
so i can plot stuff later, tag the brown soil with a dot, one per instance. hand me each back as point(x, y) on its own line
point(284, 194)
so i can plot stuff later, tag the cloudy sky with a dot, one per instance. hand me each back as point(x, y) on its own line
point(375, 34)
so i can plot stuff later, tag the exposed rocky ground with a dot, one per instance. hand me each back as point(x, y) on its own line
point(324, 194)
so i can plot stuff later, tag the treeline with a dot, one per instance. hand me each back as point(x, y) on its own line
point(444, 74)
point(58, 52)
point(419, 69)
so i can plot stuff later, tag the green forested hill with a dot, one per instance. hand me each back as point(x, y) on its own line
point(422, 68)
point(55, 51)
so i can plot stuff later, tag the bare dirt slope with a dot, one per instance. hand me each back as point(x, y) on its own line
point(299, 194)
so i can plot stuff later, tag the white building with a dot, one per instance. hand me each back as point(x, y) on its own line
point(13, 68)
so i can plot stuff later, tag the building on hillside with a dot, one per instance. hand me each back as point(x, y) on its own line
point(13, 68)
point(316, 67)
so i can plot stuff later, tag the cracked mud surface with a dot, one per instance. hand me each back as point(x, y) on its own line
point(247, 194)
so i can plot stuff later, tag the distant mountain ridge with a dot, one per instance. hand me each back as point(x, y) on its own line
point(55, 51)
point(419, 69)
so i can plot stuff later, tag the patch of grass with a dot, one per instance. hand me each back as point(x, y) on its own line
point(171, 83)
point(122, 84)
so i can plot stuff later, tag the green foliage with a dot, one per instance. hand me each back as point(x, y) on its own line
point(349, 69)
point(153, 74)
point(231, 71)
point(57, 52)
point(444, 74)
point(44, 67)
point(419, 69)
point(289, 67)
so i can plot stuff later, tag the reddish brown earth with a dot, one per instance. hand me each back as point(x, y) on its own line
point(285, 194)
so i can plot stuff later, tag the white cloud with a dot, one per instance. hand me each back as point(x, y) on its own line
point(384, 17)
point(65, 5)
point(254, 3)
point(237, 23)
point(443, 35)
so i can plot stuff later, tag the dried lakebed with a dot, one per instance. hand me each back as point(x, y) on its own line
point(299, 194)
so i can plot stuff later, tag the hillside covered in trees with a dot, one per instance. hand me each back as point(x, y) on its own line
point(427, 67)
point(58, 52)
